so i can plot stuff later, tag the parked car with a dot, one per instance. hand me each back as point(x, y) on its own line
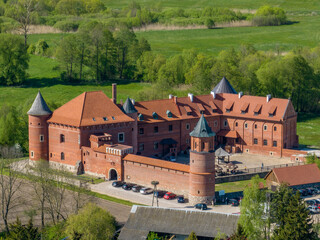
point(310, 191)
point(169, 195)
point(180, 199)
point(234, 202)
point(311, 202)
point(173, 158)
point(159, 194)
point(313, 209)
point(127, 186)
point(118, 184)
point(136, 188)
point(201, 206)
point(146, 191)
point(303, 192)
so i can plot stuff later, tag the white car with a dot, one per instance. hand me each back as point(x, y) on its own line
point(173, 158)
point(313, 209)
point(145, 191)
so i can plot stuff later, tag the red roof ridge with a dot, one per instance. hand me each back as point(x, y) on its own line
point(84, 100)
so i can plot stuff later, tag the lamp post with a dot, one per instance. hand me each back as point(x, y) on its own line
point(155, 183)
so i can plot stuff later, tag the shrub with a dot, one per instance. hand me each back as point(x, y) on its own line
point(31, 49)
point(209, 23)
point(269, 16)
point(67, 26)
point(41, 47)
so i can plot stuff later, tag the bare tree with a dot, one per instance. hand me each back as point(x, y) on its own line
point(9, 188)
point(80, 196)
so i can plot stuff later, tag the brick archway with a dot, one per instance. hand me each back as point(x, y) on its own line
point(113, 174)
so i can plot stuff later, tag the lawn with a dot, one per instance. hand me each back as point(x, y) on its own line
point(235, 186)
point(306, 32)
point(308, 129)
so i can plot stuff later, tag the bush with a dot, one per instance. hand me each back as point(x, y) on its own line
point(31, 49)
point(41, 47)
point(269, 16)
point(209, 23)
point(67, 26)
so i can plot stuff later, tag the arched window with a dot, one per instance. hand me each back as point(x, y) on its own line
point(62, 138)
point(62, 156)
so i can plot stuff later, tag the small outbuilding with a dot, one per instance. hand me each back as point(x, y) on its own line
point(220, 153)
point(301, 176)
point(178, 222)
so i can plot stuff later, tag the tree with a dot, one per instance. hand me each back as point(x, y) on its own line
point(13, 60)
point(91, 223)
point(239, 234)
point(252, 210)
point(290, 215)
point(22, 232)
point(192, 236)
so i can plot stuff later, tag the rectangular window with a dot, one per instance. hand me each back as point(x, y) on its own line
point(187, 126)
point(275, 128)
point(225, 123)
point(265, 142)
point(255, 141)
point(265, 127)
point(275, 143)
point(62, 139)
point(141, 147)
point(170, 128)
point(236, 124)
point(41, 138)
point(155, 145)
point(237, 140)
point(156, 129)
point(255, 126)
point(141, 131)
point(120, 137)
point(32, 154)
point(187, 141)
point(246, 125)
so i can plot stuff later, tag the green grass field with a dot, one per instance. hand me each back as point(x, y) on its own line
point(235, 186)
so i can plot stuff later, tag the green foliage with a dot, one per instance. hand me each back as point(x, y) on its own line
point(313, 159)
point(239, 234)
point(71, 7)
point(290, 215)
point(41, 47)
point(269, 16)
point(91, 223)
point(22, 232)
point(252, 210)
point(13, 60)
point(152, 236)
point(54, 232)
point(67, 25)
point(192, 236)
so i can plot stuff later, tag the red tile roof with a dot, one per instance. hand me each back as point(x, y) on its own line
point(157, 162)
point(89, 108)
point(227, 133)
point(297, 175)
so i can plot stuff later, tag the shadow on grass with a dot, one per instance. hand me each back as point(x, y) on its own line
point(49, 82)
point(303, 117)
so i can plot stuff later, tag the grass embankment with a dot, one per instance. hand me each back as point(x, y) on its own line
point(235, 186)
point(308, 129)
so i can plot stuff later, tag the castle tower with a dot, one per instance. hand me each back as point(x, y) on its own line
point(202, 164)
point(38, 129)
point(129, 109)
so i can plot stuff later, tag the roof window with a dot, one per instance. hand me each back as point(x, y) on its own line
point(244, 108)
point(201, 108)
point(105, 119)
point(272, 110)
point(155, 115)
point(213, 106)
point(257, 109)
point(229, 107)
point(113, 118)
point(169, 114)
point(188, 110)
point(140, 116)
point(94, 119)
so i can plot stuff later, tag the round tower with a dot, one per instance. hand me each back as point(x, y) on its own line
point(202, 164)
point(129, 109)
point(38, 129)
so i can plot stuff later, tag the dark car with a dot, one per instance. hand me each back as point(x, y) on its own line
point(159, 194)
point(180, 199)
point(303, 192)
point(118, 184)
point(127, 186)
point(201, 206)
point(234, 202)
point(136, 188)
point(310, 191)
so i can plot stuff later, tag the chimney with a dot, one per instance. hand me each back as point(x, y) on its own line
point(170, 96)
point(114, 93)
point(190, 95)
point(175, 99)
point(213, 94)
point(269, 97)
point(240, 94)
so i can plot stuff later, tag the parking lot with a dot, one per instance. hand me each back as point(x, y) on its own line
point(106, 188)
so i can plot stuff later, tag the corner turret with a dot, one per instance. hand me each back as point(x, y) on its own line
point(224, 86)
point(202, 164)
point(129, 109)
point(39, 113)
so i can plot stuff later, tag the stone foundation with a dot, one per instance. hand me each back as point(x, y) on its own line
point(201, 199)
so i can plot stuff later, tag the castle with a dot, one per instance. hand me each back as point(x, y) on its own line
point(130, 142)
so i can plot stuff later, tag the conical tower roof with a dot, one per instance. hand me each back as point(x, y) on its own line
point(39, 107)
point(202, 129)
point(224, 87)
point(128, 107)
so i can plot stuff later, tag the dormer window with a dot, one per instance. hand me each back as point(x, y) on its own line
point(213, 107)
point(201, 108)
point(229, 107)
point(169, 114)
point(188, 110)
point(155, 115)
point(113, 118)
point(257, 109)
point(272, 110)
point(140, 116)
point(105, 119)
point(244, 108)
point(94, 119)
